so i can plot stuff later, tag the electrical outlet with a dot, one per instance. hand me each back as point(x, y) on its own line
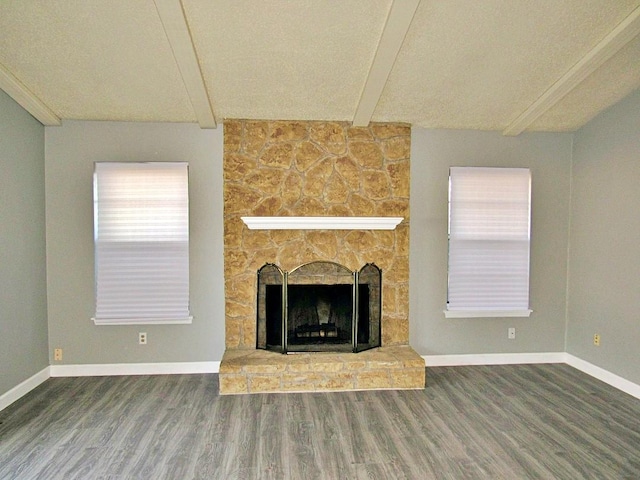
point(511, 333)
point(596, 339)
point(142, 338)
point(57, 354)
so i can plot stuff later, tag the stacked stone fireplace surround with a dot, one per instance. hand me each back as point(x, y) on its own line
point(286, 168)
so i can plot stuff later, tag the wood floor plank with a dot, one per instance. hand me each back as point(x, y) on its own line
point(494, 422)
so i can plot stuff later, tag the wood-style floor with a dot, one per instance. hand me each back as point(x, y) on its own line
point(487, 422)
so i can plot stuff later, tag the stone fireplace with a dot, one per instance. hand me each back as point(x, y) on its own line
point(315, 169)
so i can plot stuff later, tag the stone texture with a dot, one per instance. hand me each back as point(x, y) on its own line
point(350, 172)
point(286, 131)
point(232, 332)
point(328, 133)
point(232, 127)
point(362, 206)
point(239, 198)
point(359, 133)
point(336, 190)
point(337, 382)
point(237, 309)
point(291, 188)
point(402, 303)
point(324, 242)
point(310, 207)
point(375, 184)
point(316, 178)
point(242, 285)
point(397, 148)
point(255, 137)
point(260, 371)
point(406, 378)
point(399, 176)
point(264, 383)
point(360, 240)
point(233, 384)
point(373, 380)
point(295, 168)
point(280, 155)
point(388, 130)
point(389, 295)
point(307, 153)
point(236, 262)
point(233, 229)
point(367, 154)
point(254, 239)
point(266, 180)
point(237, 166)
point(268, 207)
point(392, 208)
point(232, 143)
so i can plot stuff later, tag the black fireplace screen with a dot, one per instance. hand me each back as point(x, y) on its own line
point(319, 307)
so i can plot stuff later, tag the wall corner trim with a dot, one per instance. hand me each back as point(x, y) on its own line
point(23, 388)
point(601, 374)
point(612, 379)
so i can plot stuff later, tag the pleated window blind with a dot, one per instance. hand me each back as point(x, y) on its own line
point(489, 242)
point(141, 228)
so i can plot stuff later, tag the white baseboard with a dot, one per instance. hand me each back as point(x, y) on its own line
point(106, 369)
point(493, 359)
point(612, 379)
point(23, 388)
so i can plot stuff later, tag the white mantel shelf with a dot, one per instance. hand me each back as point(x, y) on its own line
point(322, 223)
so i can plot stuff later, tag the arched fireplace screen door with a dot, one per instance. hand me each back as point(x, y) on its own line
point(319, 307)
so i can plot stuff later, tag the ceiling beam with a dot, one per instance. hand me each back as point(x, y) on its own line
point(26, 99)
point(626, 31)
point(177, 31)
point(395, 29)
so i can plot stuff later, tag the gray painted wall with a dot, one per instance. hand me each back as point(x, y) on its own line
point(23, 295)
point(71, 151)
point(604, 273)
point(604, 252)
point(549, 158)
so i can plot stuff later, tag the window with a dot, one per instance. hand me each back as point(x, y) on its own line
point(489, 239)
point(141, 233)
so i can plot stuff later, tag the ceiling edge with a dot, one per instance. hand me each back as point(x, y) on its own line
point(622, 34)
point(27, 99)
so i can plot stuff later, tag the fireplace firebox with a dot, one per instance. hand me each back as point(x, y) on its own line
point(319, 307)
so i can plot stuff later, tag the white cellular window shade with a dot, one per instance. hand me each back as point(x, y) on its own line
point(489, 242)
point(141, 229)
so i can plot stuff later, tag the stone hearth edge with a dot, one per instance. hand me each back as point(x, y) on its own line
point(260, 371)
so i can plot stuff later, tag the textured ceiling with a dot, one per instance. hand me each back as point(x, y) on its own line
point(458, 64)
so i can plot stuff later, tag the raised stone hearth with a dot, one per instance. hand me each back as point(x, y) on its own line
point(305, 169)
point(260, 371)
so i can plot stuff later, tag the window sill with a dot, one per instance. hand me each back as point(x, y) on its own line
point(486, 313)
point(142, 321)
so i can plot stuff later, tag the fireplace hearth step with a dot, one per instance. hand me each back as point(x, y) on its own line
point(260, 371)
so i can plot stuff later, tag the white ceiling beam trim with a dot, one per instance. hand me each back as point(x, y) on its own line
point(395, 29)
point(26, 99)
point(624, 32)
point(179, 36)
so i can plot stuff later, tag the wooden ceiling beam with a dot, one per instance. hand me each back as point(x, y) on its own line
point(395, 29)
point(26, 98)
point(624, 32)
point(177, 31)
